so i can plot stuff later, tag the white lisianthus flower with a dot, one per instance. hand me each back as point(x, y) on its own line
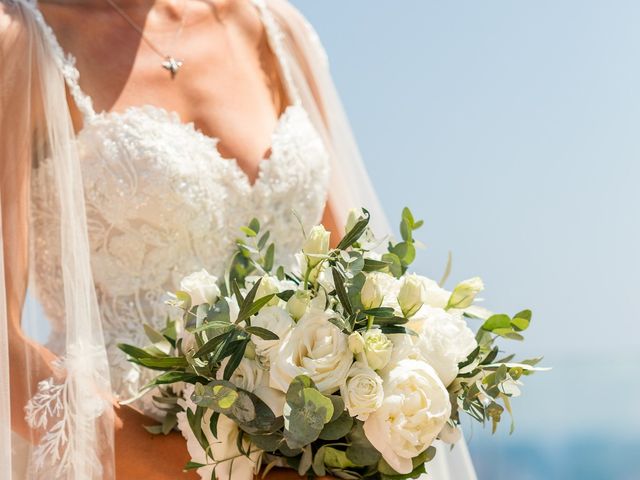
point(377, 348)
point(356, 343)
point(222, 447)
point(362, 392)
point(372, 293)
point(412, 295)
point(465, 293)
point(316, 348)
point(316, 245)
point(201, 286)
point(415, 408)
point(276, 320)
point(445, 340)
point(298, 304)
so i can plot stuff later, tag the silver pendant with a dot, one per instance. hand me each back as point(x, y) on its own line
point(172, 64)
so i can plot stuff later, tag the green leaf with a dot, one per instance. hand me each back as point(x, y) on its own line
point(380, 312)
point(255, 307)
point(521, 320)
point(264, 239)
point(213, 343)
point(334, 458)
point(191, 465)
point(173, 377)
point(371, 265)
point(405, 251)
point(248, 232)
point(247, 304)
point(395, 266)
point(263, 333)
point(234, 360)
point(254, 225)
point(338, 428)
point(361, 451)
point(269, 257)
point(306, 412)
point(135, 352)
point(496, 322)
point(164, 363)
point(341, 291)
point(355, 233)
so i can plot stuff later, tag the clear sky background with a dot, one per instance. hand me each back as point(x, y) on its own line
point(511, 127)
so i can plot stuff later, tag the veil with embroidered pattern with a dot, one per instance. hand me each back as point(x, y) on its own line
point(56, 415)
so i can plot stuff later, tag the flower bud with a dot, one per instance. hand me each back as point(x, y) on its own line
point(465, 293)
point(356, 343)
point(371, 294)
point(412, 295)
point(354, 215)
point(298, 303)
point(269, 285)
point(316, 245)
point(449, 434)
point(377, 348)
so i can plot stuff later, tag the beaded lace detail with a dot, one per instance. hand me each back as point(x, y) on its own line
point(162, 202)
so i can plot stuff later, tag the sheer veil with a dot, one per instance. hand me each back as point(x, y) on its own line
point(56, 420)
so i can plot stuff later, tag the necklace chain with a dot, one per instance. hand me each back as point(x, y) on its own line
point(169, 63)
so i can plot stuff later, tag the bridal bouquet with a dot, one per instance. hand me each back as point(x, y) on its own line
point(345, 365)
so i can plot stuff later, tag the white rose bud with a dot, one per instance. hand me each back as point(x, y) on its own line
point(377, 348)
point(202, 287)
point(352, 218)
point(362, 392)
point(269, 285)
point(356, 343)
point(465, 293)
point(316, 245)
point(298, 304)
point(412, 295)
point(372, 294)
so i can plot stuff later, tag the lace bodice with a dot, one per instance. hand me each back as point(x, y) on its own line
point(162, 202)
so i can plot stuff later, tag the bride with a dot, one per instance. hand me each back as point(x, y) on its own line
point(136, 137)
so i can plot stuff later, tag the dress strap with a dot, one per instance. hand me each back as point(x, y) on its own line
point(66, 63)
point(276, 38)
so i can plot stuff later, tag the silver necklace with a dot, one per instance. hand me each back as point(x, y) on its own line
point(169, 62)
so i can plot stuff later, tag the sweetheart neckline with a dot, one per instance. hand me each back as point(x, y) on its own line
point(172, 117)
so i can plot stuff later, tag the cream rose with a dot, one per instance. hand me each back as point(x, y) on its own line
point(314, 347)
point(415, 408)
point(362, 392)
point(445, 340)
point(201, 286)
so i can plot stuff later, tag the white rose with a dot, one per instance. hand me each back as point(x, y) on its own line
point(377, 348)
point(298, 303)
point(415, 408)
point(372, 293)
point(465, 293)
point(223, 447)
point(362, 392)
point(314, 347)
point(201, 286)
point(276, 320)
point(356, 343)
point(316, 245)
point(444, 340)
point(412, 295)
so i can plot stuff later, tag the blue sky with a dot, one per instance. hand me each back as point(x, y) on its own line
point(511, 128)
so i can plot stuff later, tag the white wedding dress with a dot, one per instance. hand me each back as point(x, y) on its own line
point(162, 202)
